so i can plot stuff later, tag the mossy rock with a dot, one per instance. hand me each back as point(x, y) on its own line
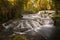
point(18, 37)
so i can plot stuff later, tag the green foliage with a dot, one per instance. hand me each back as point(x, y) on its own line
point(10, 10)
point(32, 6)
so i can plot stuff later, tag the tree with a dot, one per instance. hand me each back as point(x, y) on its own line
point(10, 11)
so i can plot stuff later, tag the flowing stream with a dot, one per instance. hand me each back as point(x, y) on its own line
point(33, 24)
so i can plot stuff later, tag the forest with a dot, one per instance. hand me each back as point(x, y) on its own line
point(14, 9)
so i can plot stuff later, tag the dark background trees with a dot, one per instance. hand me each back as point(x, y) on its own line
point(10, 10)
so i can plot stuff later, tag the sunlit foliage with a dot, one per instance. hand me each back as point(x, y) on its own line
point(36, 5)
point(16, 8)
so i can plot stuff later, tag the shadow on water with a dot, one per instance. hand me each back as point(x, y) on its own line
point(57, 24)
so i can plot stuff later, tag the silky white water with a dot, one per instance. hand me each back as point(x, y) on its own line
point(33, 23)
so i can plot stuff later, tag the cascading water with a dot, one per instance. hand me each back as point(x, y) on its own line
point(33, 25)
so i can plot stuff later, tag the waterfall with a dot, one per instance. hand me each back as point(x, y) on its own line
point(33, 24)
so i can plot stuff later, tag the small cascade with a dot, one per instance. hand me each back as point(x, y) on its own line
point(33, 24)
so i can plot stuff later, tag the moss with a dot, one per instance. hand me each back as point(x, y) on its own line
point(18, 37)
